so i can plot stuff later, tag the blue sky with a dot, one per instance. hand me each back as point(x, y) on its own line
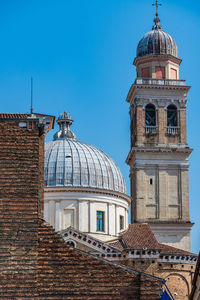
point(80, 54)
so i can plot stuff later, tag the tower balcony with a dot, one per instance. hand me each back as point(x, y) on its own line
point(172, 130)
point(154, 81)
point(150, 130)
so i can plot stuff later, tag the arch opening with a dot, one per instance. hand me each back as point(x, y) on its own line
point(150, 115)
point(172, 120)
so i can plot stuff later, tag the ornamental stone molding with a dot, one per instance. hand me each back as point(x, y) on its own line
point(160, 102)
point(104, 250)
point(72, 234)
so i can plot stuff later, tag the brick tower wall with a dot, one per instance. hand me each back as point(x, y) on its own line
point(21, 201)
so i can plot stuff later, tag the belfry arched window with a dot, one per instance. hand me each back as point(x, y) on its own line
point(172, 120)
point(150, 115)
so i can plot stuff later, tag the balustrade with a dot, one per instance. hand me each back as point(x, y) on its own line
point(151, 130)
point(153, 81)
point(172, 130)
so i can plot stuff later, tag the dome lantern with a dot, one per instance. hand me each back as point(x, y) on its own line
point(64, 121)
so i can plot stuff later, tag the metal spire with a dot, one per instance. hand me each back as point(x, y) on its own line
point(156, 20)
point(156, 5)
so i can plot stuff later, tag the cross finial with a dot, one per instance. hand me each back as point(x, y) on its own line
point(156, 5)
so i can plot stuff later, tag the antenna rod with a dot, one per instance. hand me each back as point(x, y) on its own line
point(31, 95)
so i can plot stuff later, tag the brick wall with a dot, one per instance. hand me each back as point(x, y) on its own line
point(162, 136)
point(178, 277)
point(20, 185)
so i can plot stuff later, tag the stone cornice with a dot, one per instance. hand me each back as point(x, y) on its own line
point(170, 225)
point(134, 87)
point(156, 150)
point(157, 58)
point(160, 101)
point(103, 249)
point(96, 245)
point(78, 189)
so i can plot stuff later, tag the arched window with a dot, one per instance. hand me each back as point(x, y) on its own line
point(172, 116)
point(150, 115)
point(71, 244)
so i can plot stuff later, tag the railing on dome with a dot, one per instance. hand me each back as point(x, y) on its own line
point(153, 81)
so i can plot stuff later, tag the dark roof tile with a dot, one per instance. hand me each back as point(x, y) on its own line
point(137, 236)
point(140, 236)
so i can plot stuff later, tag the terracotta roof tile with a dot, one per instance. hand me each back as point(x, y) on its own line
point(137, 236)
point(72, 274)
point(13, 116)
point(170, 249)
point(140, 236)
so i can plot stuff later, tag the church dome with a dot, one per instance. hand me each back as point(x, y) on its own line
point(72, 163)
point(157, 42)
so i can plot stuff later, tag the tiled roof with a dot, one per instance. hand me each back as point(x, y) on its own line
point(170, 249)
point(13, 116)
point(137, 236)
point(140, 236)
point(65, 273)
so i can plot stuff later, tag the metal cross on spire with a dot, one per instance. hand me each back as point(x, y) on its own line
point(156, 5)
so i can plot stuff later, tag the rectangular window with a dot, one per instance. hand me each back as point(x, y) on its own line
point(145, 72)
point(121, 222)
point(160, 72)
point(100, 221)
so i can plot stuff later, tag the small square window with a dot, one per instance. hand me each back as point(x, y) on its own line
point(121, 222)
point(100, 220)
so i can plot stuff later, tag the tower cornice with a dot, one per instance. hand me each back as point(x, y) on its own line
point(135, 150)
point(157, 58)
point(155, 84)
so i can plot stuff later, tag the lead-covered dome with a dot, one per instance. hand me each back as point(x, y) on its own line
point(72, 163)
point(157, 42)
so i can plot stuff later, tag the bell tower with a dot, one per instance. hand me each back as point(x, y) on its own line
point(159, 153)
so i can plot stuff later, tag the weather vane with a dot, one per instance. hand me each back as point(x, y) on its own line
point(156, 5)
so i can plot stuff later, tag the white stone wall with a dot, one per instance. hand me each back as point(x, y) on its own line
point(161, 186)
point(175, 235)
point(166, 200)
point(64, 208)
